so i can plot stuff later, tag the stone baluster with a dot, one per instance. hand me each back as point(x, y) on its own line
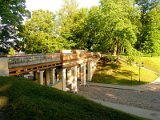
point(64, 78)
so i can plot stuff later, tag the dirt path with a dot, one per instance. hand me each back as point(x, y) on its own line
point(147, 99)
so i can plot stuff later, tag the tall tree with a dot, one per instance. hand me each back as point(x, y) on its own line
point(12, 13)
point(40, 33)
point(146, 40)
point(152, 40)
point(121, 31)
point(66, 19)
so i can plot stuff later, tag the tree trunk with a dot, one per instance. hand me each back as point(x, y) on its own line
point(115, 50)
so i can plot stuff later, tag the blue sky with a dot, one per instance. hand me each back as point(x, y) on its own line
point(54, 5)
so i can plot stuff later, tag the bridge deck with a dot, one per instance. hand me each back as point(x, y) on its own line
point(28, 63)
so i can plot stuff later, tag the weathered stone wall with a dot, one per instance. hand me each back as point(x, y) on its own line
point(4, 71)
point(59, 85)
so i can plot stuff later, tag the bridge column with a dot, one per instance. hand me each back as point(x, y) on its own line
point(78, 72)
point(41, 80)
point(94, 67)
point(83, 74)
point(74, 84)
point(89, 71)
point(69, 76)
point(64, 78)
point(35, 75)
point(53, 77)
point(4, 71)
point(48, 79)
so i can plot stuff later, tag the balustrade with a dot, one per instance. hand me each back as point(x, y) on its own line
point(16, 61)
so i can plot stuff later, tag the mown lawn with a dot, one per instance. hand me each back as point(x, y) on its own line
point(122, 74)
point(152, 63)
point(21, 99)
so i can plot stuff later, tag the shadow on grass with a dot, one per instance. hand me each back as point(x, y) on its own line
point(30, 101)
point(107, 66)
point(126, 73)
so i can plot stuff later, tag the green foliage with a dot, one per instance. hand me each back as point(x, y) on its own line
point(30, 101)
point(148, 37)
point(115, 26)
point(66, 19)
point(40, 34)
point(11, 51)
point(11, 18)
point(3, 51)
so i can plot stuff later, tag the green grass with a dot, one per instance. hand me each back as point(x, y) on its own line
point(21, 99)
point(122, 74)
point(152, 63)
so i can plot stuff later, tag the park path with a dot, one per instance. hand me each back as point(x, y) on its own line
point(141, 100)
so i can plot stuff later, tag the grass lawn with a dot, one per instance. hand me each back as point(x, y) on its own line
point(121, 73)
point(21, 99)
point(152, 63)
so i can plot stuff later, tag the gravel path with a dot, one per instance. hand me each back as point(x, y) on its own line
point(146, 99)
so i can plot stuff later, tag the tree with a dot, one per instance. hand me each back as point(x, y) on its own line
point(152, 42)
point(118, 26)
point(11, 18)
point(66, 19)
point(148, 37)
point(40, 35)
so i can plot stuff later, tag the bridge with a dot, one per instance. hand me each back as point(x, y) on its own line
point(61, 70)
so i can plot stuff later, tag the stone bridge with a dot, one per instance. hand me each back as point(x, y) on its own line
point(61, 70)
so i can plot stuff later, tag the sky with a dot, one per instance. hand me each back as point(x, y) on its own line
point(54, 5)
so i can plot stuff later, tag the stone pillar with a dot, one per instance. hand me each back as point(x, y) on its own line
point(4, 71)
point(64, 78)
point(41, 80)
point(83, 74)
point(69, 76)
point(53, 77)
point(74, 84)
point(94, 67)
point(48, 76)
point(78, 73)
point(89, 71)
point(35, 75)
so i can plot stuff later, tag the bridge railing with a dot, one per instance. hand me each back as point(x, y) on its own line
point(69, 56)
point(75, 56)
point(17, 61)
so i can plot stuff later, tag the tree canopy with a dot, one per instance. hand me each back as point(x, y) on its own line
point(12, 13)
point(114, 26)
point(39, 33)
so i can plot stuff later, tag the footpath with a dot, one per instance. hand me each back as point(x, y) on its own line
point(145, 113)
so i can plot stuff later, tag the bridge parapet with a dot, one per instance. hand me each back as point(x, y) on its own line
point(17, 61)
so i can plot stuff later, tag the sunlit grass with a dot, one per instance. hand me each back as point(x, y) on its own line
point(122, 73)
point(152, 63)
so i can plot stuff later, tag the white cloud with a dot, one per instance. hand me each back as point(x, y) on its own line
point(54, 5)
